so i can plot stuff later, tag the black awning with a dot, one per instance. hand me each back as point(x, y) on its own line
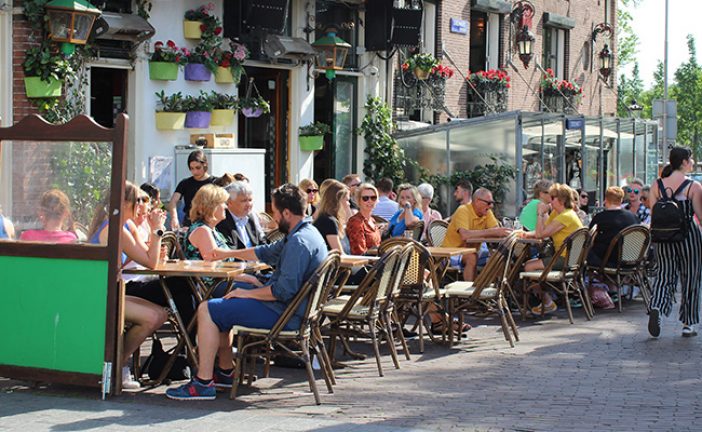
point(124, 27)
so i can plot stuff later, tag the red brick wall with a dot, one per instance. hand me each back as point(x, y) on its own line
point(587, 14)
point(20, 43)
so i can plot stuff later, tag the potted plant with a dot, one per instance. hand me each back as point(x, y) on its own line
point(421, 64)
point(45, 70)
point(253, 107)
point(230, 63)
point(312, 136)
point(201, 24)
point(170, 114)
point(491, 86)
point(200, 63)
point(164, 61)
point(559, 95)
point(198, 111)
point(224, 107)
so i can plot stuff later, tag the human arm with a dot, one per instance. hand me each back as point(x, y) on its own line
point(408, 215)
point(357, 236)
point(696, 196)
point(263, 293)
point(9, 228)
point(135, 250)
point(172, 204)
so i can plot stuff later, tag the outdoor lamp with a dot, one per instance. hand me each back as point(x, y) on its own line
point(70, 22)
point(635, 109)
point(525, 45)
point(331, 53)
point(605, 62)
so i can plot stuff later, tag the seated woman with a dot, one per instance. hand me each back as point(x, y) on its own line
point(558, 225)
point(56, 221)
point(209, 208)
point(331, 216)
point(145, 316)
point(139, 226)
point(426, 191)
point(310, 187)
point(362, 231)
point(7, 230)
point(409, 213)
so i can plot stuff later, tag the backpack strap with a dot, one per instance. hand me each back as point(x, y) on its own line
point(661, 190)
point(682, 186)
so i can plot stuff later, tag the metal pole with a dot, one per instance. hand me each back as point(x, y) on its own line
point(665, 87)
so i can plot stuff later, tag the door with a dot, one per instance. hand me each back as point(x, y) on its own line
point(108, 94)
point(269, 131)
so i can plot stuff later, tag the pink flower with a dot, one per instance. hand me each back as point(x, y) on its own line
point(171, 44)
point(158, 45)
point(210, 6)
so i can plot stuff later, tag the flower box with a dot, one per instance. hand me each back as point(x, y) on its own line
point(421, 74)
point(163, 71)
point(198, 119)
point(170, 120)
point(35, 87)
point(222, 117)
point(191, 29)
point(312, 143)
point(197, 72)
point(252, 112)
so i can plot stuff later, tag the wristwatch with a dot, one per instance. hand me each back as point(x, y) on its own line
point(157, 232)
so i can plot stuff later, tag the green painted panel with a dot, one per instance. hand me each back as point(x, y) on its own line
point(52, 313)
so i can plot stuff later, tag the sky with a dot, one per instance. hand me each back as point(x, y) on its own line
point(684, 17)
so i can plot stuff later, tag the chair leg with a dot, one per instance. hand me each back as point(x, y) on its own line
point(510, 319)
point(504, 325)
point(420, 323)
point(324, 355)
point(391, 340)
point(619, 292)
point(400, 335)
point(237, 375)
point(318, 351)
point(376, 349)
point(567, 301)
point(310, 373)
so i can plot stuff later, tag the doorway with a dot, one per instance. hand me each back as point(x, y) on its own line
point(108, 94)
point(269, 131)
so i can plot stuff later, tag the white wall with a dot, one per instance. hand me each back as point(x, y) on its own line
point(6, 113)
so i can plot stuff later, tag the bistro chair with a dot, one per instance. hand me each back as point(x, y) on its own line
point(486, 293)
point(415, 233)
point(380, 219)
point(252, 342)
point(267, 221)
point(350, 316)
point(173, 248)
point(437, 232)
point(569, 278)
point(630, 248)
point(274, 236)
point(417, 294)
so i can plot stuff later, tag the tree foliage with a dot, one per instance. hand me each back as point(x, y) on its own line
point(384, 156)
point(627, 40)
point(688, 94)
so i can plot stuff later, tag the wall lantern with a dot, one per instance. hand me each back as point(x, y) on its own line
point(522, 13)
point(635, 109)
point(331, 53)
point(70, 22)
point(606, 57)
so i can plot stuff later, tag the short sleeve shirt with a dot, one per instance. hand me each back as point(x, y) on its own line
point(465, 217)
point(571, 223)
point(188, 188)
point(528, 215)
point(363, 234)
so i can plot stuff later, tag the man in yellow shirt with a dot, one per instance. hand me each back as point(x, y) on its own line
point(473, 220)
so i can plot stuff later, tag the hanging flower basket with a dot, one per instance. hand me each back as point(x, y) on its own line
point(163, 71)
point(197, 72)
point(170, 120)
point(312, 143)
point(35, 87)
point(421, 74)
point(198, 119)
point(252, 112)
point(222, 117)
point(191, 29)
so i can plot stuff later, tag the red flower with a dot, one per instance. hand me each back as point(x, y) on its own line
point(405, 66)
point(171, 44)
point(158, 45)
point(203, 27)
point(225, 64)
point(217, 31)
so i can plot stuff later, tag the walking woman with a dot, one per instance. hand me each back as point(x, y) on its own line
point(187, 188)
point(682, 259)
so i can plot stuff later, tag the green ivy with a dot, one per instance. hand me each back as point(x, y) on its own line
point(384, 157)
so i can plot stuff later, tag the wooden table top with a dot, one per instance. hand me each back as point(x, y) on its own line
point(214, 269)
point(349, 261)
point(447, 252)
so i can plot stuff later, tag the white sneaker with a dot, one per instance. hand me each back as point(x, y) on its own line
point(689, 330)
point(128, 381)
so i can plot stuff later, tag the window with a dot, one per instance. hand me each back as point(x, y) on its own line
point(484, 41)
point(554, 51)
point(345, 17)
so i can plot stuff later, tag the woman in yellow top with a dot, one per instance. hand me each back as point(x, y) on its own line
point(558, 225)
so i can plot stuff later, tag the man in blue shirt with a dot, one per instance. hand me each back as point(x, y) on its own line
point(295, 258)
point(387, 206)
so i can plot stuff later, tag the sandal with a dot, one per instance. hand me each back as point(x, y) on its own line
point(437, 328)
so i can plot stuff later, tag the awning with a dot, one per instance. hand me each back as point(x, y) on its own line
point(125, 27)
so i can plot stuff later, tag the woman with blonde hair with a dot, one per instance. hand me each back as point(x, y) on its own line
point(332, 215)
point(558, 225)
point(362, 231)
point(55, 217)
point(409, 213)
point(311, 188)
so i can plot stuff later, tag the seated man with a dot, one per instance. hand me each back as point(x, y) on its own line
point(294, 260)
point(387, 206)
point(473, 220)
point(609, 223)
point(241, 227)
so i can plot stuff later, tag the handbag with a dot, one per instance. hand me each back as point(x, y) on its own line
point(546, 249)
point(156, 361)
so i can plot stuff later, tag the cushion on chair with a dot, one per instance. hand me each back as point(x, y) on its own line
point(554, 276)
point(263, 331)
point(335, 308)
point(466, 289)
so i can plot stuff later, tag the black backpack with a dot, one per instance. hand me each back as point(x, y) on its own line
point(669, 221)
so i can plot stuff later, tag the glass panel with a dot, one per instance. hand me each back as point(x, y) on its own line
point(651, 154)
point(344, 125)
point(540, 151)
point(626, 152)
point(591, 163)
point(57, 188)
point(83, 24)
point(430, 153)
point(60, 24)
point(640, 151)
point(610, 152)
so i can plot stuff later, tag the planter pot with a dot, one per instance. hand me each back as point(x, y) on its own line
point(222, 117)
point(227, 76)
point(198, 119)
point(252, 112)
point(421, 74)
point(191, 29)
point(163, 71)
point(170, 120)
point(37, 88)
point(197, 72)
point(312, 143)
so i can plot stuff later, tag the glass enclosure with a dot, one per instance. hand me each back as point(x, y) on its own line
point(57, 190)
point(626, 152)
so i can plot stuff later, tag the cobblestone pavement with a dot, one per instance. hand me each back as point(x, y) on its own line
point(607, 374)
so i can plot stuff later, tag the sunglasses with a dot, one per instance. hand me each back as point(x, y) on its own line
point(143, 200)
point(369, 198)
point(490, 203)
point(312, 190)
point(630, 190)
point(584, 196)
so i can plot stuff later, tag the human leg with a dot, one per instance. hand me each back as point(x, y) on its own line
point(690, 277)
point(145, 317)
point(470, 265)
point(666, 280)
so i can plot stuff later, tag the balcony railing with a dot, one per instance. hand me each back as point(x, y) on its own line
point(557, 103)
point(492, 102)
point(413, 94)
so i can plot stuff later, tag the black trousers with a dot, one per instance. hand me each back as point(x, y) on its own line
point(152, 291)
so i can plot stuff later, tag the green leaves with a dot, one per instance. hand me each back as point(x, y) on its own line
point(384, 158)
